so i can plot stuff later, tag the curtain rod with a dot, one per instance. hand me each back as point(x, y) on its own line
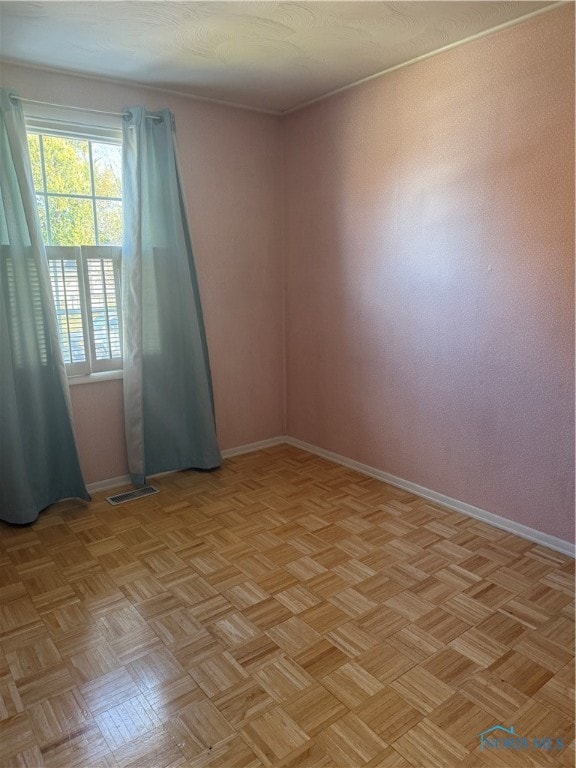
point(79, 109)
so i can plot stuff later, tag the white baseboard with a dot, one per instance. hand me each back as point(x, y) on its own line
point(524, 531)
point(104, 485)
point(114, 482)
point(251, 447)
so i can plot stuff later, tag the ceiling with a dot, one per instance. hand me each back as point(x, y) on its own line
point(273, 56)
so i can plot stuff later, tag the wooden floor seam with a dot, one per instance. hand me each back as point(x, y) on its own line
point(282, 611)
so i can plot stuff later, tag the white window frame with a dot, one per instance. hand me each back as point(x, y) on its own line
point(56, 122)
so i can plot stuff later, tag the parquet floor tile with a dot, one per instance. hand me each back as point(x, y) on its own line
point(280, 612)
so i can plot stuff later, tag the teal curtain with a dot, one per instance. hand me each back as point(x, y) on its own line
point(168, 402)
point(38, 457)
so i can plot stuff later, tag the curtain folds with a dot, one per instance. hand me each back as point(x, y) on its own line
point(38, 458)
point(168, 402)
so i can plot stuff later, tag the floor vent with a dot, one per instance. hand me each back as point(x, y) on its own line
point(122, 498)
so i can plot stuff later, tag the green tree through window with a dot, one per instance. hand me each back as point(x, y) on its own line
point(79, 189)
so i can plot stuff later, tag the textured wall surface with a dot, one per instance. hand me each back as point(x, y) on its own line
point(230, 162)
point(429, 267)
point(98, 411)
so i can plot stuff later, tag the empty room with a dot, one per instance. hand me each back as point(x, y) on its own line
point(287, 384)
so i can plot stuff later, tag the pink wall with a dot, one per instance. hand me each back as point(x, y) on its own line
point(231, 162)
point(99, 425)
point(429, 273)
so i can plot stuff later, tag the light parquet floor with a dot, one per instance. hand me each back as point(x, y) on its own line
point(282, 611)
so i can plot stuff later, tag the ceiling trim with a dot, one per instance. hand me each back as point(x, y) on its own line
point(424, 56)
point(138, 84)
point(275, 113)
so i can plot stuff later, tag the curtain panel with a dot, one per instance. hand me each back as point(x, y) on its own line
point(168, 400)
point(39, 462)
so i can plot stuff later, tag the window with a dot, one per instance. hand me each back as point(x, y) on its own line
point(78, 181)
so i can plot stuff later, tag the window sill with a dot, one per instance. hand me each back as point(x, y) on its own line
point(95, 378)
